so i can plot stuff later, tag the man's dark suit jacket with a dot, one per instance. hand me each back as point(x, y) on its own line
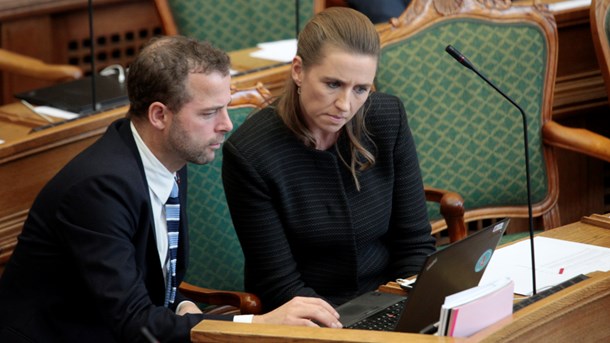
point(86, 267)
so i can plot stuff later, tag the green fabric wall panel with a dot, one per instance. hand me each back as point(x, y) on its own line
point(240, 24)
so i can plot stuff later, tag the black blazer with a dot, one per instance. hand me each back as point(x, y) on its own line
point(305, 229)
point(86, 267)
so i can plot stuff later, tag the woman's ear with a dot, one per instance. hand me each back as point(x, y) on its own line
point(297, 70)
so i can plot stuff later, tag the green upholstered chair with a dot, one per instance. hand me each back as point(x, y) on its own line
point(600, 32)
point(235, 25)
point(469, 139)
point(216, 259)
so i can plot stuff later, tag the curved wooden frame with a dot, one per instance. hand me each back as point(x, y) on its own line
point(421, 14)
point(255, 97)
point(598, 11)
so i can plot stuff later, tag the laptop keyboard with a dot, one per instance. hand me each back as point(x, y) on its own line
point(386, 320)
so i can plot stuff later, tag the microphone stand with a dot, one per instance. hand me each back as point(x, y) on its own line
point(466, 63)
point(92, 49)
point(296, 10)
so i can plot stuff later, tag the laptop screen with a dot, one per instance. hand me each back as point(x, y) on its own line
point(453, 269)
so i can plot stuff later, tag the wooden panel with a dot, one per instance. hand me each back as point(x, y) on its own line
point(58, 32)
point(580, 100)
point(13, 34)
point(225, 331)
point(118, 35)
point(578, 313)
point(579, 84)
point(16, 9)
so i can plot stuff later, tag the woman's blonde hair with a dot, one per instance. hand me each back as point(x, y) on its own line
point(349, 31)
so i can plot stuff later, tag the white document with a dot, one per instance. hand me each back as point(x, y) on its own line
point(55, 112)
point(281, 51)
point(556, 261)
point(46, 111)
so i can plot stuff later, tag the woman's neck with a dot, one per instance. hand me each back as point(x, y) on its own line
point(326, 141)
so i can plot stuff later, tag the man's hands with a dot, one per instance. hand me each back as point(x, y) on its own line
point(302, 311)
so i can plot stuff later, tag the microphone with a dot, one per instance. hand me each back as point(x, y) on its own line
point(92, 51)
point(466, 63)
point(297, 19)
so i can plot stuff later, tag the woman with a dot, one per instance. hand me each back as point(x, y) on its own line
point(324, 186)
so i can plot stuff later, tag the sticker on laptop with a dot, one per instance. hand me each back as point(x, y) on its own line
point(483, 260)
point(498, 226)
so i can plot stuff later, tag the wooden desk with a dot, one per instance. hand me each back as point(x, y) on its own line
point(251, 70)
point(576, 313)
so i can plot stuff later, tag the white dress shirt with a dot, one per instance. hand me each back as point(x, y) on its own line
point(160, 183)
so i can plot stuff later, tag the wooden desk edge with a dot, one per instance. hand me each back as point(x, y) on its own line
point(69, 130)
point(577, 298)
point(226, 331)
point(535, 317)
point(518, 327)
point(602, 221)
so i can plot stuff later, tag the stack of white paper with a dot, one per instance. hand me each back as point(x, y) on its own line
point(474, 309)
point(281, 51)
point(556, 261)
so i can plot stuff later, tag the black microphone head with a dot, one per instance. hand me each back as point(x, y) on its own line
point(459, 57)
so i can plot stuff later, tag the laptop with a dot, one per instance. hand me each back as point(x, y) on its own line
point(455, 268)
point(76, 96)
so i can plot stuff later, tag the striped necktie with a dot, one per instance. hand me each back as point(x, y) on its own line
point(172, 216)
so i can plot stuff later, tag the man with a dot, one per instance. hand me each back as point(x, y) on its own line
point(92, 264)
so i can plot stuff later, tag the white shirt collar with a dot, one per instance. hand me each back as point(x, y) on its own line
point(160, 179)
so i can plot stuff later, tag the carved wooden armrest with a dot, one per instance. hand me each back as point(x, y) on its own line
point(452, 209)
point(257, 95)
point(28, 66)
point(248, 303)
point(575, 139)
